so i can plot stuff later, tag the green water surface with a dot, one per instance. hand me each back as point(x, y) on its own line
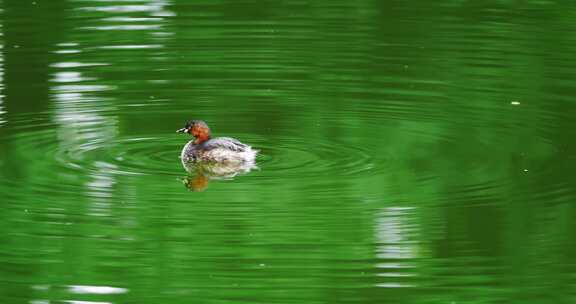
point(411, 152)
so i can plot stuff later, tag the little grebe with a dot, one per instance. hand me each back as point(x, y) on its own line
point(215, 150)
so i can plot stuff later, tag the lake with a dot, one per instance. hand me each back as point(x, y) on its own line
point(410, 153)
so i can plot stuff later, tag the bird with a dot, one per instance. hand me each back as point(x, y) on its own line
point(219, 150)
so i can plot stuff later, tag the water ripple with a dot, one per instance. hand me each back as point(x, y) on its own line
point(295, 157)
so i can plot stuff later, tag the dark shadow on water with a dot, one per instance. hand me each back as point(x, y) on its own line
point(29, 33)
point(200, 174)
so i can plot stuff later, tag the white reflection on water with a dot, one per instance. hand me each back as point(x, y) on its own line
point(87, 124)
point(76, 64)
point(115, 17)
point(82, 128)
point(397, 249)
point(134, 27)
point(67, 48)
point(67, 51)
point(154, 7)
point(73, 88)
point(85, 302)
point(100, 189)
point(87, 289)
point(130, 47)
point(40, 287)
point(81, 289)
point(130, 19)
point(69, 77)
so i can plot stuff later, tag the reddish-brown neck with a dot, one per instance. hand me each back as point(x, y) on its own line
point(201, 134)
point(200, 138)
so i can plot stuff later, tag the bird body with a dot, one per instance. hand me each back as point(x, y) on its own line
point(204, 148)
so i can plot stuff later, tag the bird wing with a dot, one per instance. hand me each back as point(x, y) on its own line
point(226, 143)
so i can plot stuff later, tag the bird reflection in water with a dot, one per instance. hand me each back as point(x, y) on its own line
point(200, 174)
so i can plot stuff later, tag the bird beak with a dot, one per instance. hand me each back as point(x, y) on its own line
point(183, 130)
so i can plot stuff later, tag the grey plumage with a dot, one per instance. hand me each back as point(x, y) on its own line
point(225, 143)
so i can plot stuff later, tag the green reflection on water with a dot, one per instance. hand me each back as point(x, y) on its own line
point(409, 154)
